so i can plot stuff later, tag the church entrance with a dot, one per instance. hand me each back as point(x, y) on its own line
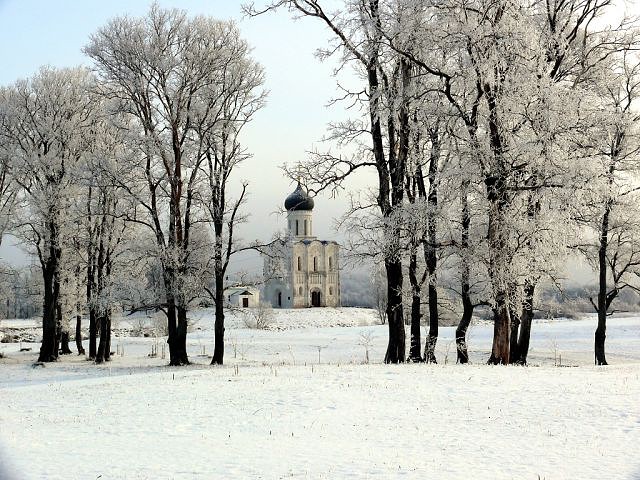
point(315, 299)
point(279, 299)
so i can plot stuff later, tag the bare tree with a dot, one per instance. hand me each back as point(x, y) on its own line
point(609, 211)
point(160, 71)
point(357, 29)
point(228, 105)
point(46, 122)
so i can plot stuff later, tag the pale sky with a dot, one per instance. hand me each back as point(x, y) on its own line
point(39, 32)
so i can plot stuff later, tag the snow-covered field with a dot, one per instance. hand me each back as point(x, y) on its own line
point(297, 402)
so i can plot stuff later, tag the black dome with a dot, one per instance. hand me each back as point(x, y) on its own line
point(298, 200)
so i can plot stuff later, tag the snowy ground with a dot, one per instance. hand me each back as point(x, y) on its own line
point(274, 412)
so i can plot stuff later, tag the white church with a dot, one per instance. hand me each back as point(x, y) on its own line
point(302, 271)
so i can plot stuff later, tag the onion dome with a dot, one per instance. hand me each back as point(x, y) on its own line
point(299, 199)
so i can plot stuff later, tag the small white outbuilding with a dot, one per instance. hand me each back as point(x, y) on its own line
point(242, 296)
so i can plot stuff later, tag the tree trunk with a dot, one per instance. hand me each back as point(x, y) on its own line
point(498, 266)
point(64, 343)
point(514, 355)
point(495, 180)
point(465, 275)
point(49, 347)
point(461, 329)
point(181, 336)
point(93, 333)
point(63, 331)
point(176, 340)
point(176, 322)
point(501, 332)
point(430, 248)
point(218, 329)
point(107, 350)
point(500, 349)
point(603, 300)
point(102, 345)
point(600, 337)
point(432, 336)
point(415, 349)
point(520, 348)
point(79, 334)
point(102, 355)
point(525, 323)
point(218, 350)
point(396, 346)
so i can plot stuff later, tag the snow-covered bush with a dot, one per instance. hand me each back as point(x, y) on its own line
point(259, 318)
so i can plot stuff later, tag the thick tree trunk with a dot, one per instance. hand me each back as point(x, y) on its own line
point(176, 323)
point(78, 335)
point(104, 347)
point(600, 337)
point(218, 331)
point(181, 336)
point(64, 343)
point(93, 333)
point(500, 349)
point(219, 273)
point(498, 266)
point(415, 349)
point(177, 338)
point(525, 323)
point(501, 332)
point(49, 347)
point(396, 346)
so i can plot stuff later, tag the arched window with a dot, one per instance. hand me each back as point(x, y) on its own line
point(315, 264)
point(330, 290)
point(299, 263)
point(297, 232)
point(300, 290)
point(305, 228)
point(330, 263)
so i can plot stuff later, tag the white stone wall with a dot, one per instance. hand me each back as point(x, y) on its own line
point(300, 223)
point(233, 296)
point(315, 268)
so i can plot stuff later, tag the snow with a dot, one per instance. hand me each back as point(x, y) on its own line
point(274, 411)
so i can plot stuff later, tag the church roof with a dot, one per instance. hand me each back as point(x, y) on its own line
point(323, 242)
point(299, 199)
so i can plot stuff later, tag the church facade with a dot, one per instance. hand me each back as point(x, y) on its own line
point(300, 270)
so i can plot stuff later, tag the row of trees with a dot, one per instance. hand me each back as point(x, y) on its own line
point(118, 179)
point(504, 135)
